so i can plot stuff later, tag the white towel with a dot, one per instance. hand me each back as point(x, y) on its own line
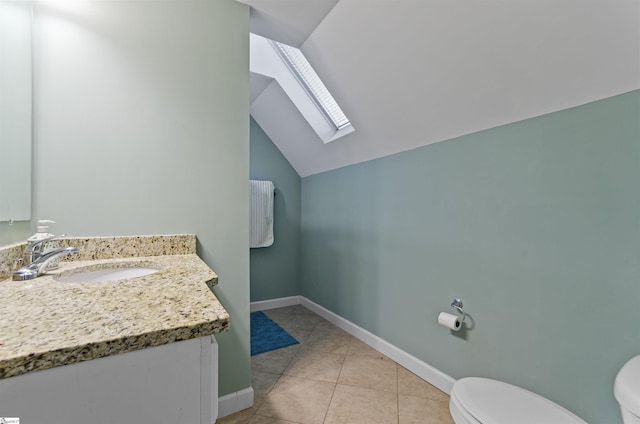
point(261, 213)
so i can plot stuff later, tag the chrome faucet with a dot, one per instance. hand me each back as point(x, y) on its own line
point(38, 266)
point(35, 249)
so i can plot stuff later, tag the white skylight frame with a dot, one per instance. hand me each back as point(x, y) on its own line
point(307, 76)
point(267, 60)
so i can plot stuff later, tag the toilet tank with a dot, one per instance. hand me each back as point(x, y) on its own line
point(627, 391)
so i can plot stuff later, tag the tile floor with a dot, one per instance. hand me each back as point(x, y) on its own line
point(332, 377)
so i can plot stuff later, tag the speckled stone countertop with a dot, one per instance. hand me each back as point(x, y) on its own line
point(45, 323)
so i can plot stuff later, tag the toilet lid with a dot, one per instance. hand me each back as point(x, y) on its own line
point(627, 386)
point(493, 402)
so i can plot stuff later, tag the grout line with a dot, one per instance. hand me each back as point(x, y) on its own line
point(335, 387)
point(398, 391)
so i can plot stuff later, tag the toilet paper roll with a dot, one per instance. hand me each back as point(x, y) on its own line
point(450, 321)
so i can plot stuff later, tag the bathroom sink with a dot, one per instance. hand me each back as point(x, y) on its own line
point(111, 272)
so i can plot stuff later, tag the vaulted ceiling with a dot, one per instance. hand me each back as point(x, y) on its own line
point(414, 72)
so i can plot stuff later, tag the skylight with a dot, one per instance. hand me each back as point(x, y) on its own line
point(292, 73)
point(305, 74)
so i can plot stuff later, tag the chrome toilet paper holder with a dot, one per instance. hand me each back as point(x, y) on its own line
point(457, 305)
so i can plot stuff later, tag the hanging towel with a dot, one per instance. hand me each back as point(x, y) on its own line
point(261, 213)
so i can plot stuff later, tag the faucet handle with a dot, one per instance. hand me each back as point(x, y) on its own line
point(35, 248)
point(38, 245)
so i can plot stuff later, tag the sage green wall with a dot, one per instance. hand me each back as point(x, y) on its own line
point(142, 127)
point(535, 225)
point(14, 233)
point(275, 270)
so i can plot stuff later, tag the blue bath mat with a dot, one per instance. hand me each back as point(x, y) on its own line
point(266, 335)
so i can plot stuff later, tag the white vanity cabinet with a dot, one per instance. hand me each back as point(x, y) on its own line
point(172, 383)
point(137, 350)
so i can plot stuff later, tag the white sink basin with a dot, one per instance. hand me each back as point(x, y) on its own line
point(115, 272)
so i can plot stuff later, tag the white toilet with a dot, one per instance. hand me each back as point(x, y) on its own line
point(627, 391)
point(483, 401)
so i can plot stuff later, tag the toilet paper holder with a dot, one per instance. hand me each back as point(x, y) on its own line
point(457, 305)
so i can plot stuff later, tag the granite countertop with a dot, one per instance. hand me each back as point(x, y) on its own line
point(47, 323)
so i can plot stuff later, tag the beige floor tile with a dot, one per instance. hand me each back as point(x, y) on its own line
point(280, 315)
point(262, 383)
point(299, 309)
point(412, 385)
point(298, 399)
point(325, 325)
point(258, 419)
point(299, 332)
point(275, 361)
point(329, 341)
point(415, 410)
point(295, 321)
point(370, 373)
point(315, 365)
point(358, 348)
point(241, 417)
point(305, 316)
point(355, 405)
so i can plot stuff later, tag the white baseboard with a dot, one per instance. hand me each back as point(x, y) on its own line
point(420, 368)
point(235, 402)
point(263, 305)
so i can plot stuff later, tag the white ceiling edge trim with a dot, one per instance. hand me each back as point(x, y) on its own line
point(264, 60)
point(272, 108)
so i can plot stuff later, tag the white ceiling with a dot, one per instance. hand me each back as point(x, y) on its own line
point(287, 21)
point(413, 72)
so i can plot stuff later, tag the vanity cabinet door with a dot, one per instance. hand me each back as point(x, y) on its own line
point(176, 382)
